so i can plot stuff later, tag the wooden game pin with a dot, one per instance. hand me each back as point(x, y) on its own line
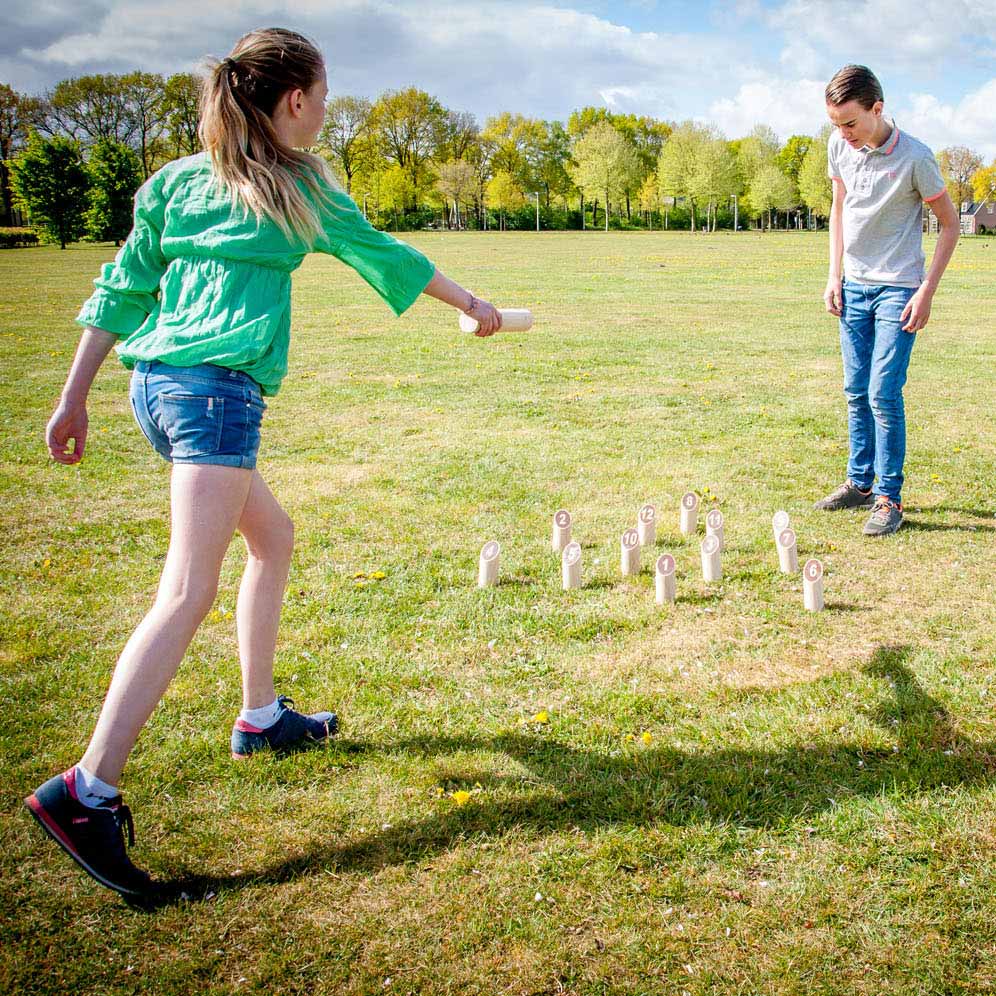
point(665, 579)
point(570, 563)
point(712, 561)
point(630, 561)
point(714, 526)
point(646, 524)
point(689, 513)
point(512, 320)
point(788, 555)
point(779, 523)
point(561, 530)
point(812, 585)
point(487, 568)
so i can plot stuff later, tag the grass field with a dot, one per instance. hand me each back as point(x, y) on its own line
point(730, 795)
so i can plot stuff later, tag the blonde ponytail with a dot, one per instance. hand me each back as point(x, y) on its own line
point(249, 161)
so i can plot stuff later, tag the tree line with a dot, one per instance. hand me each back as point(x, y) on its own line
point(72, 158)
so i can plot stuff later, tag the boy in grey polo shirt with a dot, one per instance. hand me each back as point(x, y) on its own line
point(881, 178)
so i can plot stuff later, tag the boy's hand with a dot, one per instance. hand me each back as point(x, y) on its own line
point(68, 422)
point(487, 316)
point(832, 297)
point(916, 314)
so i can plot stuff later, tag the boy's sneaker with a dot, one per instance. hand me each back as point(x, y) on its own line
point(291, 730)
point(886, 517)
point(92, 837)
point(848, 495)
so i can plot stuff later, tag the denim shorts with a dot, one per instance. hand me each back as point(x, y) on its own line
point(199, 414)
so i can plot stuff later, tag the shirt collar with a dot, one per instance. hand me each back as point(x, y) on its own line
point(888, 146)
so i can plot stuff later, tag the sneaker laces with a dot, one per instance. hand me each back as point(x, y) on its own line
point(882, 507)
point(123, 821)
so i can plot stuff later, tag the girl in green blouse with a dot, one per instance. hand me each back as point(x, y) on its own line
point(197, 304)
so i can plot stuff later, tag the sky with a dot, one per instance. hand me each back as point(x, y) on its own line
point(733, 64)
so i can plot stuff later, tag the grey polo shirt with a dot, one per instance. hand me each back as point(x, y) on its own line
point(885, 189)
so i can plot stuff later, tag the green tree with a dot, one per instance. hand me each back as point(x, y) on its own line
point(605, 163)
point(17, 115)
point(182, 94)
point(791, 155)
point(649, 198)
point(115, 174)
point(958, 165)
point(754, 152)
point(504, 195)
point(815, 187)
point(771, 190)
point(984, 182)
point(395, 191)
point(51, 183)
point(456, 178)
point(88, 108)
point(679, 161)
point(714, 178)
point(144, 95)
point(347, 136)
point(409, 125)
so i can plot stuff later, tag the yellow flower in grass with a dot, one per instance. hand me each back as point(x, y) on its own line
point(647, 737)
point(378, 575)
point(359, 574)
point(541, 717)
point(460, 798)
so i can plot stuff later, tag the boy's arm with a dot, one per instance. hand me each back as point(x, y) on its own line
point(916, 314)
point(832, 295)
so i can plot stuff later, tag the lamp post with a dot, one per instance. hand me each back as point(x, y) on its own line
point(536, 195)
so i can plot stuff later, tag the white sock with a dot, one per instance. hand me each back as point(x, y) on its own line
point(264, 716)
point(91, 790)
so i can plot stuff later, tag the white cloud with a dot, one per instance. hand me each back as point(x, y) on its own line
point(789, 106)
point(892, 34)
point(971, 121)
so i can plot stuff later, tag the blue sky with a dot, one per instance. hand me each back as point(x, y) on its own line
point(733, 64)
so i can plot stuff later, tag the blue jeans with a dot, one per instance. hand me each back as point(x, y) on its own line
point(199, 414)
point(876, 354)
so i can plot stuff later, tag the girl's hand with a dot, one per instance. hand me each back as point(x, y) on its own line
point(68, 422)
point(833, 298)
point(486, 315)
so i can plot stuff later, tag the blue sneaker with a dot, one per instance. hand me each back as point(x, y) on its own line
point(291, 731)
point(92, 837)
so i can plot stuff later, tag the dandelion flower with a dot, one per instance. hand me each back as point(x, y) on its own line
point(378, 575)
point(647, 737)
point(461, 798)
point(541, 717)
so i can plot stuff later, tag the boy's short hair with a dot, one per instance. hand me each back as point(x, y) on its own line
point(854, 83)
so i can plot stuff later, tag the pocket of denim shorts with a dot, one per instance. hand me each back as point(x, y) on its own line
point(193, 423)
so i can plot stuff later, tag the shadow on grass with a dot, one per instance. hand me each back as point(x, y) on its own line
point(589, 789)
point(918, 525)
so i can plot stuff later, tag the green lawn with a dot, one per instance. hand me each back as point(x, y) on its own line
point(811, 809)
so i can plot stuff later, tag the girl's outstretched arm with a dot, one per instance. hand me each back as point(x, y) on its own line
point(69, 421)
point(445, 290)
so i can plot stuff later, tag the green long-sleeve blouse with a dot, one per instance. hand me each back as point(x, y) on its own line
point(199, 280)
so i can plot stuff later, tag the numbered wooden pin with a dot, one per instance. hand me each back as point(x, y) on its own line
point(788, 554)
point(646, 524)
point(630, 560)
point(689, 513)
point(562, 523)
point(779, 523)
point(812, 585)
point(712, 560)
point(570, 565)
point(714, 526)
point(487, 568)
point(667, 587)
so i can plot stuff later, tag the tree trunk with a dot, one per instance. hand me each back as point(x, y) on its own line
point(691, 206)
point(629, 217)
point(584, 224)
point(606, 210)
